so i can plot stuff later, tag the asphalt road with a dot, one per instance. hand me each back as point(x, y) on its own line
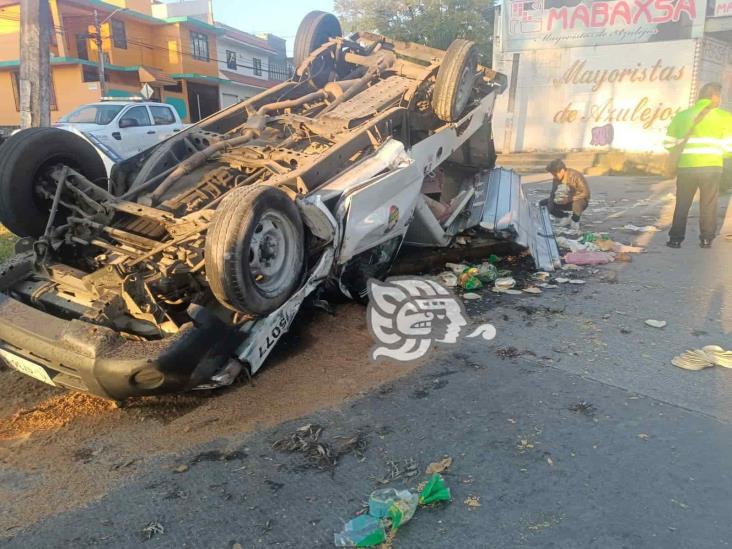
point(588, 438)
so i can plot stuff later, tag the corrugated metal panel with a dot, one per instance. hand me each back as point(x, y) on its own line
point(509, 214)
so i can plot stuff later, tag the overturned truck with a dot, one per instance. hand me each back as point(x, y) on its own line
point(190, 260)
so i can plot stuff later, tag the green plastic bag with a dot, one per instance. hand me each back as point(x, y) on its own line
point(362, 531)
point(493, 259)
point(487, 273)
point(434, 491)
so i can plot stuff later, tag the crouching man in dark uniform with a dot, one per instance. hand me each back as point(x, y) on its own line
point(569, 196)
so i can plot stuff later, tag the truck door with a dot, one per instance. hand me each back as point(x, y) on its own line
point(136, 131)
point(166, 123)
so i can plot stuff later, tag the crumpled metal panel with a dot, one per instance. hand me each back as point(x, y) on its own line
point(509, 214)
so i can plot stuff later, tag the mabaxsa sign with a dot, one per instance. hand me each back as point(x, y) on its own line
point(723, 8)
point(540, 24)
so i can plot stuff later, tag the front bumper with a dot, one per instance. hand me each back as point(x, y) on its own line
point(95, 359)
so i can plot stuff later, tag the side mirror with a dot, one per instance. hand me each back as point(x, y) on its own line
point(128, 123)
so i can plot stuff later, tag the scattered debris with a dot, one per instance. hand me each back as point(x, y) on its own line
point(399, 469)
point(320, 455)
point(656, 323)
point(508, 352)
point(438, 466)
point(576, 281)
point(589, 258)
point(644, 229)
point(362, 531)
point(397, 505)
point(448, 279)
point(181, 468)
point(434, 491)
point(523, 445)
point(389, 509)
point(472, 501)
point(532, 290)
point(643, 436)
point(470, 296)
point(509, 292)
point(152, 529)
point(692, 360)
point(583, 407)
point(571, 245)
point(456, 268)
point(706, 357)
point(505, 283)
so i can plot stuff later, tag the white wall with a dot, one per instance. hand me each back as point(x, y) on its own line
point(244, 58)
point(200, 9)
point(564, 93)
point(233, 93)
point(715, 66)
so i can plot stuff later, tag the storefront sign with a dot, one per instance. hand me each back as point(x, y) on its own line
point(541, 24)
point(723, 8)
point(580, 98)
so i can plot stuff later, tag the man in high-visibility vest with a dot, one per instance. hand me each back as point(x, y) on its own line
point(705, 131)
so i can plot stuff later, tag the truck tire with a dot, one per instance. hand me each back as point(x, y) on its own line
point(316, 28)
point(455, 80)
point(255, 250)
point(23, 159)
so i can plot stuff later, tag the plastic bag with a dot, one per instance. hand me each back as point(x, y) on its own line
point(487, 273)
point(434, 491)
point(398, 505)
point(363, 531)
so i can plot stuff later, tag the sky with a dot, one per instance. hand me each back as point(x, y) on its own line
point(279, 17)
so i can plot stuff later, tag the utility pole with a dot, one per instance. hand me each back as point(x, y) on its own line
point(100, 51)
point(34, 80)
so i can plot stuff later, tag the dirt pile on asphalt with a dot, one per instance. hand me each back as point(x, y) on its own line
point(45, 432)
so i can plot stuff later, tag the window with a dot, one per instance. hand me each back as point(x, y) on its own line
point(91, 74)
point(162, 115)
point(178, 88)
point(139, 114)
point(92, 114)
point(257, 66)
point(119, 35)
point(231, 59)
point(82, 51)
point(199, 46)
point(15, 80)
point(278, 71)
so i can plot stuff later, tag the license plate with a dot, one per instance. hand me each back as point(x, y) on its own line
point(26, 367)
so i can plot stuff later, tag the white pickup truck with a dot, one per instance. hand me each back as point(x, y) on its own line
point(124, 127)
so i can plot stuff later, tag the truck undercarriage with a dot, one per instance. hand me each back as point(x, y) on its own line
point(150, 281)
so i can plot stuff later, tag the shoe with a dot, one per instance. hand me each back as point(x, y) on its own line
point(705, 243)
point(673, 244)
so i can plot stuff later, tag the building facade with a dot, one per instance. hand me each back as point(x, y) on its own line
point(171, 47)
point(249, 63)
point(604, 75)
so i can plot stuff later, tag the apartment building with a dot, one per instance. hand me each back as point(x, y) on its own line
point(172, 47)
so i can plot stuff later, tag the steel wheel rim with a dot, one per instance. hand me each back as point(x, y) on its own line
point(465, 89)
point(272, 260)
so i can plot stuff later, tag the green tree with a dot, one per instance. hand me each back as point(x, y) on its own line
point(434, 23)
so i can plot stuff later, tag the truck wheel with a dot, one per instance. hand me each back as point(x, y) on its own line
point(25, 159)
point(315, 30)
point(255, 250)
point(455, 80)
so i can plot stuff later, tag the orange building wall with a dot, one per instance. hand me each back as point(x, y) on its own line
point(9, 32)
point(8, 115)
